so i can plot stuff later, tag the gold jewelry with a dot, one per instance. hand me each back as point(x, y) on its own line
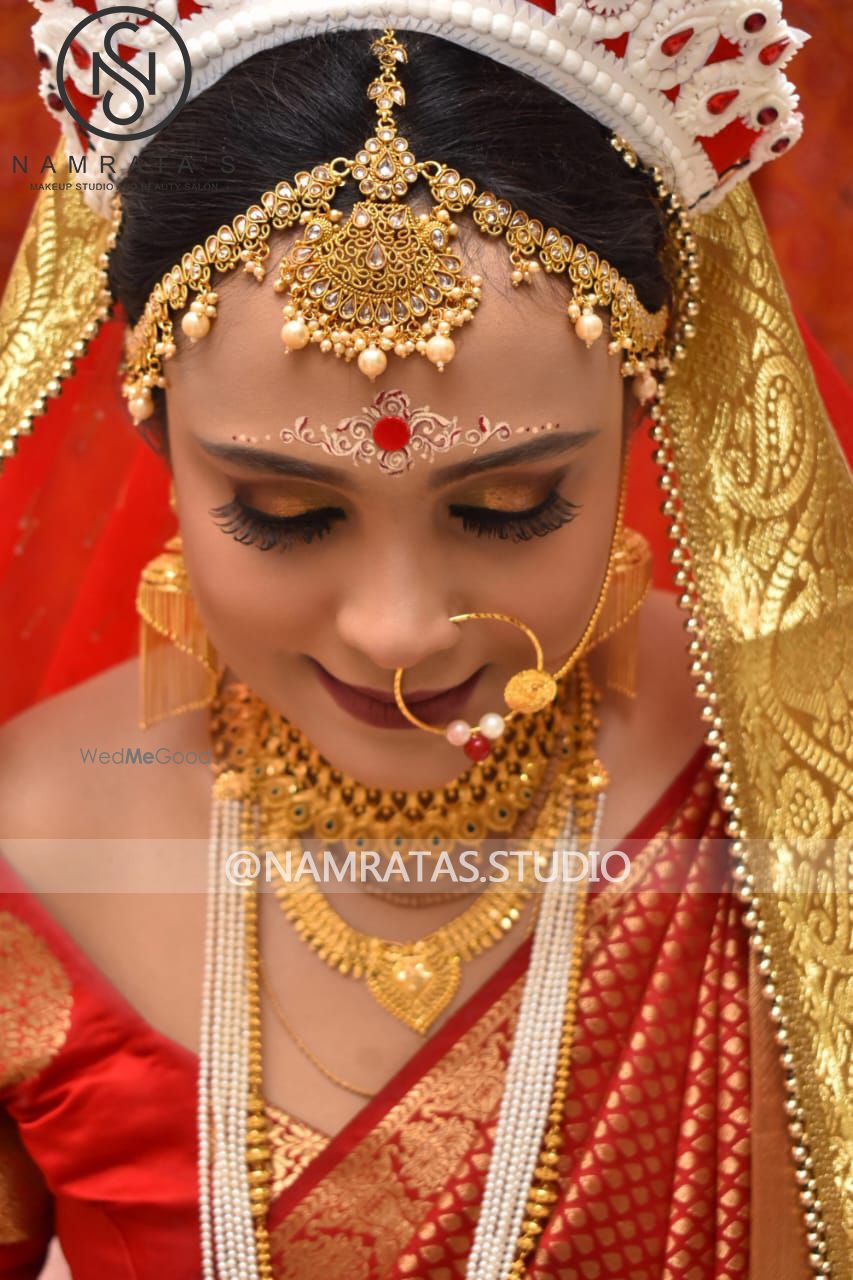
point(301, 793)
point(542, 1196)
point(414, 981)
point(580, 793)
point(385, 280)
point(177, 662)
point(403, 899)
point(618, 621)
point(308, 1053)
point(528, 691)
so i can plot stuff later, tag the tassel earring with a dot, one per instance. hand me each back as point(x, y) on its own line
point(618, 621)
point(178, 664)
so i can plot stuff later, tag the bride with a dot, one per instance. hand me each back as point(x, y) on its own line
point(406, 610)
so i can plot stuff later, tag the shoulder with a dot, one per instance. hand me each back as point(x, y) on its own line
point(79, 765)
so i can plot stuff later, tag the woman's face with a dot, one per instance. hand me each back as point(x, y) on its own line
point(313, 572)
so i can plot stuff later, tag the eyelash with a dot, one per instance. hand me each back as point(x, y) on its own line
point(254, 528)
point(550, 514)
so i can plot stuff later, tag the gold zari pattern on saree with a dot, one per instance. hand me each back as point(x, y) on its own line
point(404, 1201)
point(53, 303)
point(769, 519)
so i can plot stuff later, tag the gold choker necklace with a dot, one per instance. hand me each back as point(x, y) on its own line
point(302, 794)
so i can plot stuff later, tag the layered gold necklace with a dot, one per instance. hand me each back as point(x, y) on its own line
point(565, 808)
point(289, 783)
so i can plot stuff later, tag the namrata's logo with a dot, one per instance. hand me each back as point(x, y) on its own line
point(138, 82)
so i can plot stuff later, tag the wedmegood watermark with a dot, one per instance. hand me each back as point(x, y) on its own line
point(143, 756)
point(107, 64)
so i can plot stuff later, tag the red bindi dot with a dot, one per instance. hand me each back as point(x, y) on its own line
point(767, 115)
point(391, 433)
point(755, 22)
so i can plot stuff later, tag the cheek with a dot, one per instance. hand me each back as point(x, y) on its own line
point(557, 591)
point(253, 603)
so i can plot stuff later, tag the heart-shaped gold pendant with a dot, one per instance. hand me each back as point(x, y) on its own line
point(414, 981)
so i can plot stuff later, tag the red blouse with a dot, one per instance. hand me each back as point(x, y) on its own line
point(98, 1140)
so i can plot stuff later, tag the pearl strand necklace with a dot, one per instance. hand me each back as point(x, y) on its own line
point(234, 1200)
point(227, 1229)
point(530, 1076)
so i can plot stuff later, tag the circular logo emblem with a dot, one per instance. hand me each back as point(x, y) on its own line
point(139, 82)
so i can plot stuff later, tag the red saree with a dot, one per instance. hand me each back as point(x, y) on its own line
point(99, 1142)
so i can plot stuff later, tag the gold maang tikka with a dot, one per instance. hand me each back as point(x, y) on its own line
point(386, 280)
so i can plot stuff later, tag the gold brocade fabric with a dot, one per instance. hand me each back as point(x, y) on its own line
point(53, 294)
point(24, 1198)
point(769, 518)
point(35, 1001)
point(294, 1146)
point(655, 1174)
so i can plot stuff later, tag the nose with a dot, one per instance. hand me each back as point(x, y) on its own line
point(397, 613)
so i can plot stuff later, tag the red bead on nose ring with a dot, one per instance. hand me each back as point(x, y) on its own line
point(526, 692)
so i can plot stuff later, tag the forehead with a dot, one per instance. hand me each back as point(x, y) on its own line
point(517, 360)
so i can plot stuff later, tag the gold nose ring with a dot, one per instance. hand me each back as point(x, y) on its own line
point(526, 692)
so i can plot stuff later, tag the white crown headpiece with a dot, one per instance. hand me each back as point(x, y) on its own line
point(696, 87)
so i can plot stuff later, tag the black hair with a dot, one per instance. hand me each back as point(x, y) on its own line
point(298, 104)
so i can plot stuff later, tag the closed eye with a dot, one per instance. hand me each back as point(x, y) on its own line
point(550, 514)
point(257, 528)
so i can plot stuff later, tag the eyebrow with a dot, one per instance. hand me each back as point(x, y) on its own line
point(553, 444)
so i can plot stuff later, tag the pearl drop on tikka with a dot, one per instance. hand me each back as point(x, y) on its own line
point(195, 324)
point(589, 327)
point(295, 335)
point(372, 362)
point(440, 350)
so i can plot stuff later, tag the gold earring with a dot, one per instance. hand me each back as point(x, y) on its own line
point(528, 691)
point(178, 668)
point(618, 620)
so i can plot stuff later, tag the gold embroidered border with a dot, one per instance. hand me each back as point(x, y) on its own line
point(768, 513)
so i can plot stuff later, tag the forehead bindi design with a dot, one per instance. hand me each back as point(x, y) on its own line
point(270, 463)
point(389, 431)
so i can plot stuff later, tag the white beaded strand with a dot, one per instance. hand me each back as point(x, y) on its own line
point(210, 933)
point(222, 1211)
point(512, 1136)
point(530, 1077)
point(227, 1223)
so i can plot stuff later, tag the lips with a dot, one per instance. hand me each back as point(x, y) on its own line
point(377, 707)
